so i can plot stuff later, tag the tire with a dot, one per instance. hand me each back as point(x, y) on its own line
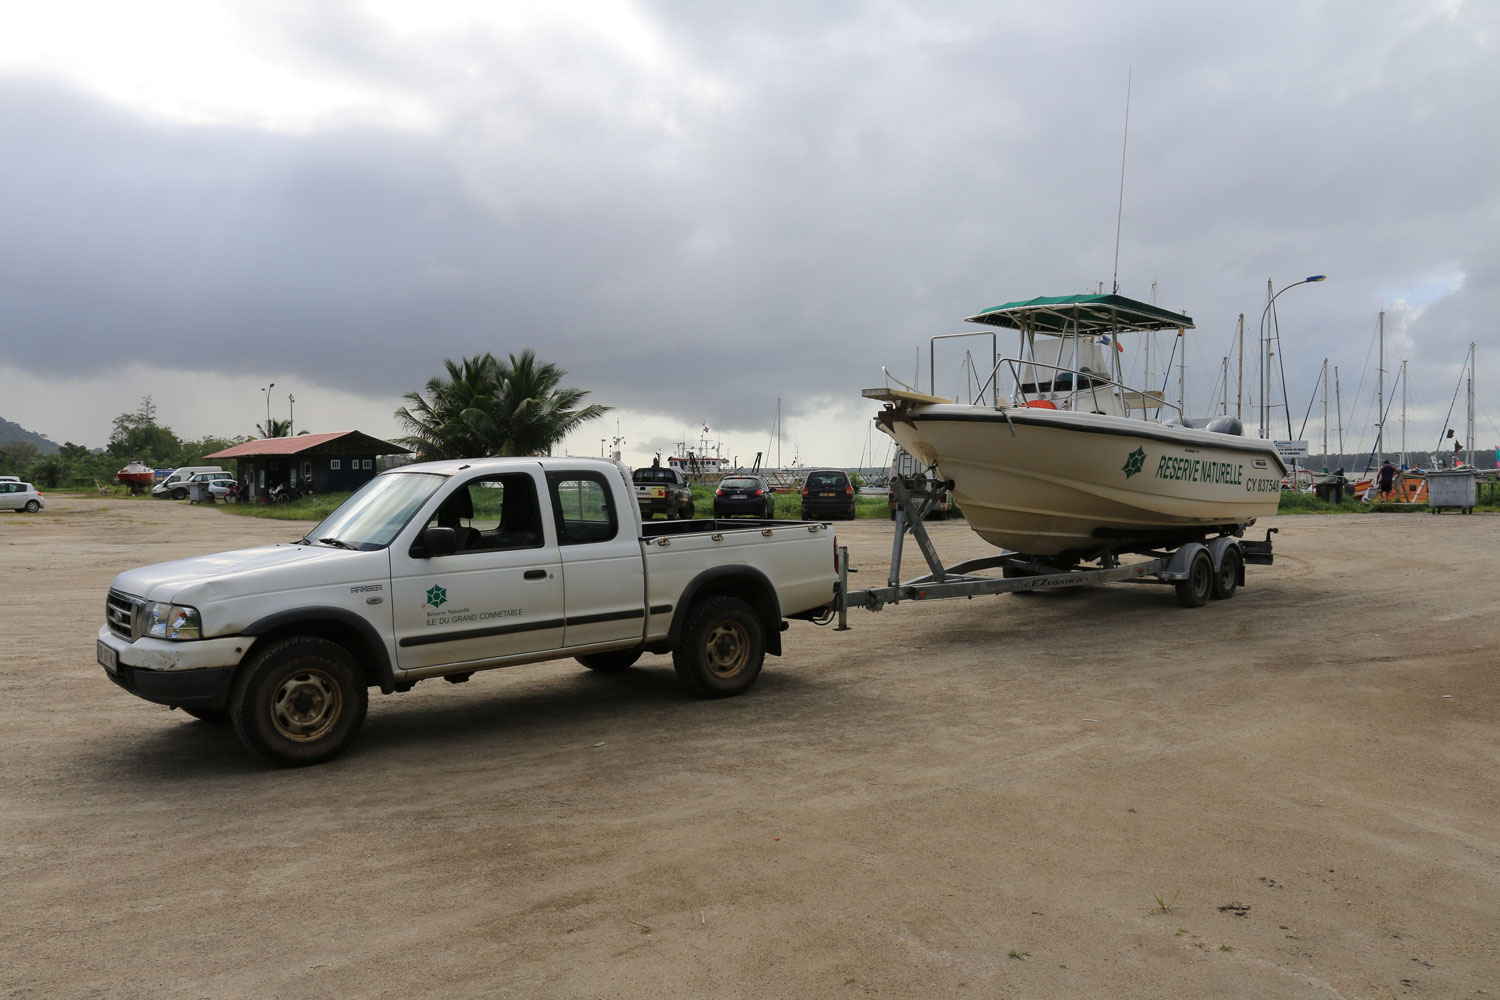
point(692, 512)
point(215, 716)
point(1227, 577)
point(1195, 591)
point(611, 662)
point(771, 510)
point(32, 506)
point(722, 649)
point(300, 701)
point(179, 494)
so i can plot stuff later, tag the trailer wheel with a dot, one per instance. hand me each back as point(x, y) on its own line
point(1195, 591)
point(1227, 579)
point(611, 662)
point(301, 701)
point(722, 648)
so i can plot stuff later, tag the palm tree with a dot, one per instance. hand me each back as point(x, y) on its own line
point(486, 407)
point(273, 428)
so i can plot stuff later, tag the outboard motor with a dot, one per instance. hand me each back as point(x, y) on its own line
point(1226, 424)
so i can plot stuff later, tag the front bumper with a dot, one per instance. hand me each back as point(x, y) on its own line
point(172, 673)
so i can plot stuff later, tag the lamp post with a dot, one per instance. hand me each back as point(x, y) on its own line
point(1265, 413)
point(291, 402)
point(267, 391)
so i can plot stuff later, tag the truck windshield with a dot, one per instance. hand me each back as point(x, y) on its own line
point(373, 516)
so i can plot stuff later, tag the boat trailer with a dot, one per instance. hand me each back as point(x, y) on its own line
point(1201, 568)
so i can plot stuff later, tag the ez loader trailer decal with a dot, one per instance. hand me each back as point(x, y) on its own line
point(1200, 570)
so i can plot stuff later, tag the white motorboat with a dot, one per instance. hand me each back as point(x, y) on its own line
point(1073, 463)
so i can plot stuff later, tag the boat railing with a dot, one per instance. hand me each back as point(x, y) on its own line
point(1090, 381)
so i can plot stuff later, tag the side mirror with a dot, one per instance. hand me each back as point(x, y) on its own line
point(437, 541)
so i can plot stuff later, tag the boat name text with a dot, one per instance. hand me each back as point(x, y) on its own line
point(1198, 470)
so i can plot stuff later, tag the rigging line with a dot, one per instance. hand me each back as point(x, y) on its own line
point(1443, 433)
point(1310, 403)
point(1120, 212)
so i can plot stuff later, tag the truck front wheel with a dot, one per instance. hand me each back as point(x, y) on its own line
point(300, 701)
point(722, 648)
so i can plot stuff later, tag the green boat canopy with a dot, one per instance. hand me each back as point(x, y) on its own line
point(1085, 315)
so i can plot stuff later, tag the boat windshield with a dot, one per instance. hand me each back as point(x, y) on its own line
point(373, 516)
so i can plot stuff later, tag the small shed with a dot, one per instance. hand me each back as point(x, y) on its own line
point(338, 462)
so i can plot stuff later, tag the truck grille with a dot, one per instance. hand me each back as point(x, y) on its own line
point(120, 614)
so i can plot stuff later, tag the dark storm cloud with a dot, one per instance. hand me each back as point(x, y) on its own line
point(795, 196)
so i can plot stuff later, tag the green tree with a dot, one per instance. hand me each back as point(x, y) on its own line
point(16, 457)
point(485, 406)
point(137, 435)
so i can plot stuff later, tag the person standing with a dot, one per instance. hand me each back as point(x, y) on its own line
point(1386, 479)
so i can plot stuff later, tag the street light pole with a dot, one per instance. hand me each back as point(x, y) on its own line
point(290, 414)
point(1266, 356)
point(267, 391)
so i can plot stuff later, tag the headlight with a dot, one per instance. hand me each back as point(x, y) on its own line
point(170, 621)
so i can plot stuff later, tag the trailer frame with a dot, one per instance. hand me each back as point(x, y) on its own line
point(1169, 559)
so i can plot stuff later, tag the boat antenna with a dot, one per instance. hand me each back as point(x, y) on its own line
point(1120, 212)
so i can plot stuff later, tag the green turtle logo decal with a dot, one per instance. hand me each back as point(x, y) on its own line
point(437, 596)
point(1133, 462)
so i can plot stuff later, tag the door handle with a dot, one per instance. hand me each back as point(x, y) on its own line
point(535, 574)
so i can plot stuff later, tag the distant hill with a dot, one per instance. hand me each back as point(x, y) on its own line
point(11, 432)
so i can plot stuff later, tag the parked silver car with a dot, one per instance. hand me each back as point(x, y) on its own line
point(20, 496)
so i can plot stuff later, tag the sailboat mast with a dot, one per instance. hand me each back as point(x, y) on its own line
point(1224, 407)
point(1380, 400)
point(1403, 413)
point(1325, 414)
point(1469, 441)
point(1239, 390)
point(1338, 407)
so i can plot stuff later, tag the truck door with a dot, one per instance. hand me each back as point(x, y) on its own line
point(604, 581)
point(499, 594)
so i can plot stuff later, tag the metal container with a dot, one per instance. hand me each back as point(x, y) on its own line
point(1452, 488)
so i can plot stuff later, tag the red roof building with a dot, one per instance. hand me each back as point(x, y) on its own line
point(338, 462)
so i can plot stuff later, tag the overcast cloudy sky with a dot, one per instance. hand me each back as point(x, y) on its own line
point(699, 208)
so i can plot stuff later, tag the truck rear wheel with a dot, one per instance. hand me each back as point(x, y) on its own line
point(300, 701)
point(611, 662)
point(723, 646)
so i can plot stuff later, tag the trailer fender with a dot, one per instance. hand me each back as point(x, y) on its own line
point(1177, 568)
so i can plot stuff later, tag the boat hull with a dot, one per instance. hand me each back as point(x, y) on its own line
point(1048, 482)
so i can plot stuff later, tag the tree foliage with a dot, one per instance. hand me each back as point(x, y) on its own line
point(484, 406)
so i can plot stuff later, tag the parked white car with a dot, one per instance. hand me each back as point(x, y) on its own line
point(16, 495)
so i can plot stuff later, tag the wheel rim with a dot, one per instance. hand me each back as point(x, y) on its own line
point(1203, 576)
point(727, 649)
point(32, 506)
point(1227, 575)
point(306, 705)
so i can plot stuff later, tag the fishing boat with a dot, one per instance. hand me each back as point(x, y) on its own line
point(1073, 463)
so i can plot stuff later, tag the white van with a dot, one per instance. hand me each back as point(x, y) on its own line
point(176, 484)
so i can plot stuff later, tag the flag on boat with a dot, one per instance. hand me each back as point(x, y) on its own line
point(1107, 339)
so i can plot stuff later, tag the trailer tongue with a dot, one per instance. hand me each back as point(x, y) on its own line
point(1201, 568)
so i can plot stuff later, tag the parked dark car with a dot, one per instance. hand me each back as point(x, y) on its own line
point(744, 495)
point(827, 493)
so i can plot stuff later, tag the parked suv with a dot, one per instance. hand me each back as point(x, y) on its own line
point(827, 493)
point(16, 495)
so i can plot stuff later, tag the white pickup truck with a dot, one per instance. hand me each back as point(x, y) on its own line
point(445, 568)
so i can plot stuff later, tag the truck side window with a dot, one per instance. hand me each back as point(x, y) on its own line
point(583, 507)
point(492, 513)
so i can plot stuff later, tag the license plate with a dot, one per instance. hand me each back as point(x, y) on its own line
point(108, 658)
point(737, 496)
point(827, 494)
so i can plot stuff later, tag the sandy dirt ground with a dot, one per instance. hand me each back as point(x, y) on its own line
point(1093, 793)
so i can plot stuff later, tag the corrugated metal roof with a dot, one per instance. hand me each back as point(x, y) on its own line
point(347, 442)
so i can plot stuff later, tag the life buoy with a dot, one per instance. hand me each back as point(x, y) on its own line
point(1041, 404)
